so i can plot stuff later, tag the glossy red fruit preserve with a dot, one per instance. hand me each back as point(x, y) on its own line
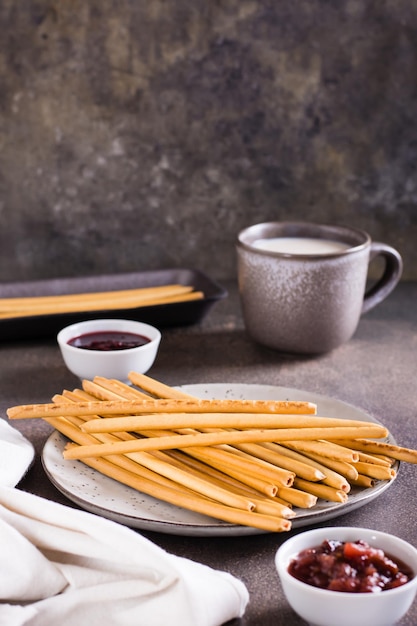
point(349, 566)
point(106, 340)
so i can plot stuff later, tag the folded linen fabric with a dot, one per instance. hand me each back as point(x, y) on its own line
point(62, 565)
point(16, 455)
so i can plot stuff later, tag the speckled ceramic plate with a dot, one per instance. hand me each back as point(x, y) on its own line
point(106, 497)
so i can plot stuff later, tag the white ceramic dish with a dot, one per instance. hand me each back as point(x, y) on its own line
point(104, 496)
point(321, 607)
point(113, 363)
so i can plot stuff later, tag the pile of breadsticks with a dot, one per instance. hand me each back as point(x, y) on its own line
point(246, 462)
point(27, 306)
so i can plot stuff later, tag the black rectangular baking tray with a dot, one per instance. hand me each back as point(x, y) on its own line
point(161, 316)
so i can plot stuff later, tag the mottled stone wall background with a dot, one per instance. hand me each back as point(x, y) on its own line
point(143, 134)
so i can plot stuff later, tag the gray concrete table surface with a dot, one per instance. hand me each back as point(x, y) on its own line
point(375, 370)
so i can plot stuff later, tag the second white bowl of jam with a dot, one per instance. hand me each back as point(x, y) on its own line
point(348, 576)
point(108, 347)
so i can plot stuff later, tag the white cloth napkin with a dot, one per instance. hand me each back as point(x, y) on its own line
point(16, 455)
point(59, 565)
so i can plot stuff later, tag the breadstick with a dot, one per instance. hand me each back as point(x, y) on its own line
point(116, 388)
point(375, 459)
point(303, 470)
point(332, 478)
point(259, 467)
point(109, 392)
point(362, 481)
point(380, 447)
point(321, 491)
point(213, 439)
point(156, 388)
point(323, 449)
point(236, 420)
point(298, 498)
point(228, 465)
point(132, 407)
point(342, 468)
point(375, 471)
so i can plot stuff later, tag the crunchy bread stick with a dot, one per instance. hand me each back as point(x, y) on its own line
point(132, 407)
point(218, 438)
point(173, 421)
point(381, 447)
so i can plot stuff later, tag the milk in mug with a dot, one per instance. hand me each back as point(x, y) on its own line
point(300, 245)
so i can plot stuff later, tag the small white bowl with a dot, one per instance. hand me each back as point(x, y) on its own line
point(86, 364)
point(321, 607)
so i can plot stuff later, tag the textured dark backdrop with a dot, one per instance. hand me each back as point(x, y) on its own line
point(145, 134)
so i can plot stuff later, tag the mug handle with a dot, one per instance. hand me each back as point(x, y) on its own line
point(389, 279)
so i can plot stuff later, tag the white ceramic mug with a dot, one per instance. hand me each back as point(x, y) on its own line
point(303, 285)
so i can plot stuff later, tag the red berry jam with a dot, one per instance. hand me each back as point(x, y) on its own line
point(354, 567)
point(106, 340)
